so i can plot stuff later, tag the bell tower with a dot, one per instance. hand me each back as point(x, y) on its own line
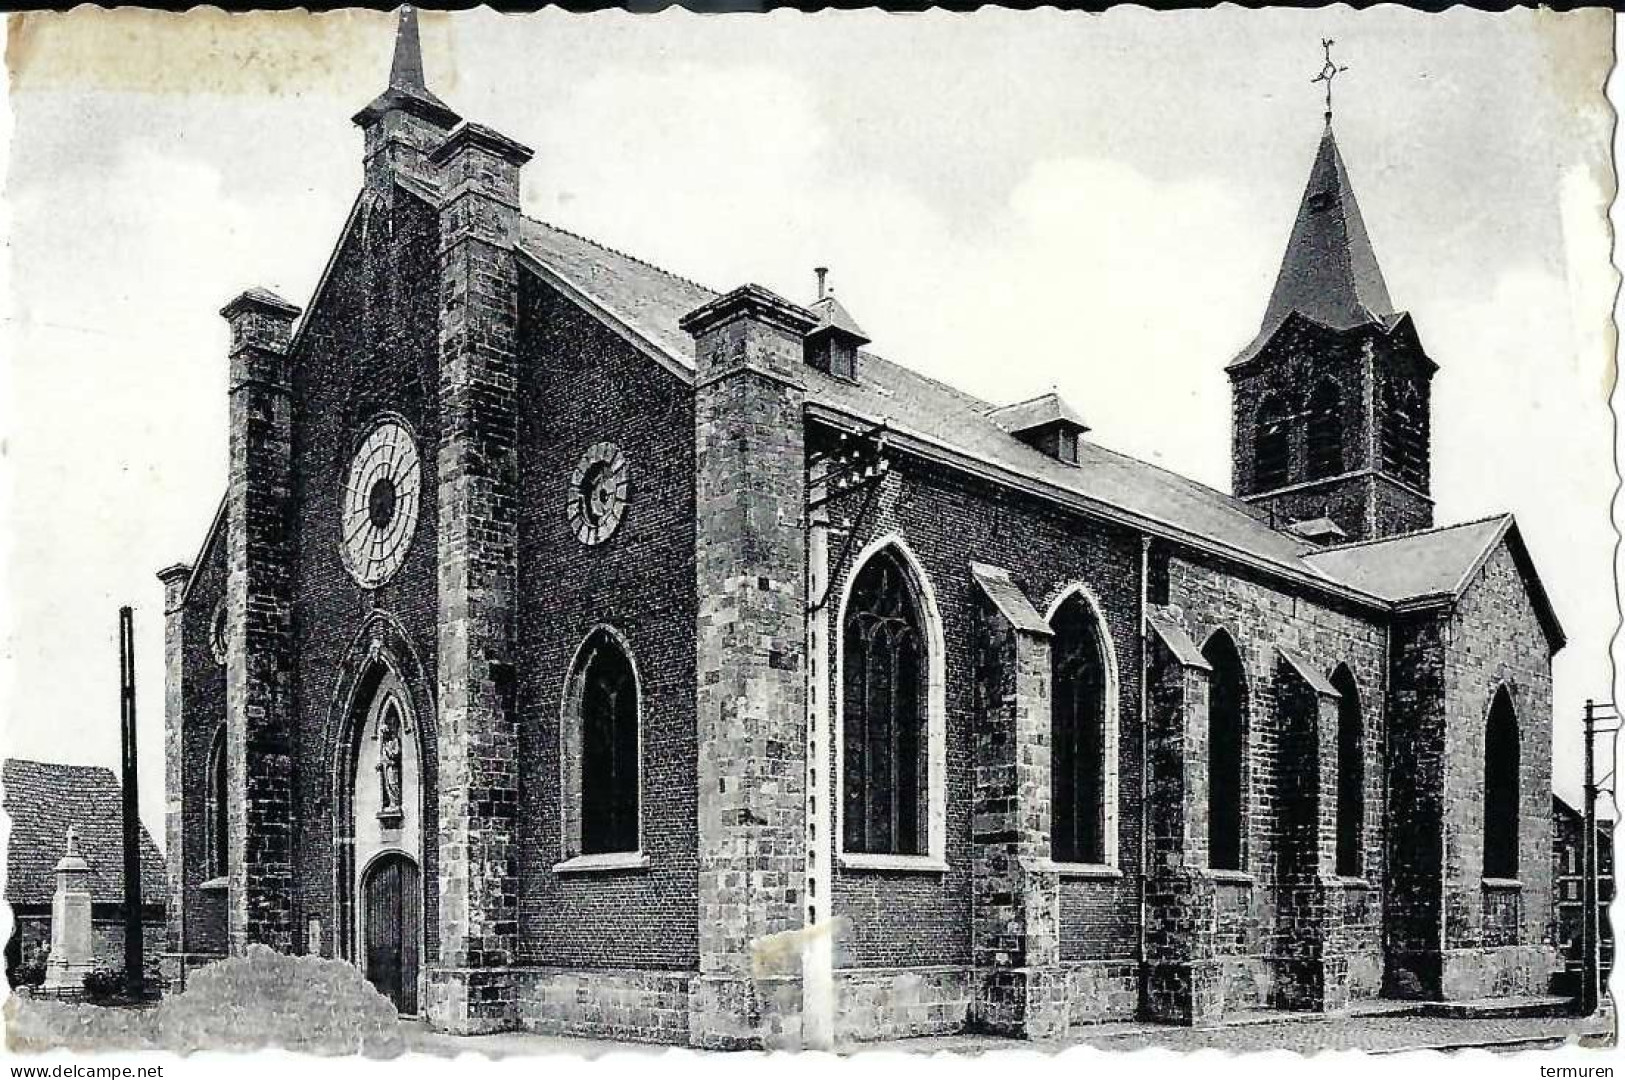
point(1330, 402)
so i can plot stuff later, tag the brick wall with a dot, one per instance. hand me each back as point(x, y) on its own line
point(581, 384)
point(948, 521)
point(33, 931)
point(368, 346)
point(203, 690)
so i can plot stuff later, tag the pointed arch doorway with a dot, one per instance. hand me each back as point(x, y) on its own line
point(380, 854)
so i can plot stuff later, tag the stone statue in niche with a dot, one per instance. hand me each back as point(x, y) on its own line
point(389, 764)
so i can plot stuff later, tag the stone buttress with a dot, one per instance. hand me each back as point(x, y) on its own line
point(1016, 897)
point(470, 987)
point(750, 578)
point(260, 691)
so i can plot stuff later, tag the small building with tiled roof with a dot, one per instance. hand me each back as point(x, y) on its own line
point(42, 800)
point(583, 649)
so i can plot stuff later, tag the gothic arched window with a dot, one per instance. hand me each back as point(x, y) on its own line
point(885, 772)
point(1350, 775)
point(1272, 450)
point(217, 822)
point(1227, 742)
point(1079, 745)
point(1324, 438)
point(1501, 789)
point(601, 750)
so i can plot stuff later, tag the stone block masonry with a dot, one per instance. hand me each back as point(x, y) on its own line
point(750, 580)
point(1015, 900)
point(478, 748)
point(260, 702)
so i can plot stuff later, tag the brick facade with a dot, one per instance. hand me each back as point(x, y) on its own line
point(581, 384)
point(740, 920)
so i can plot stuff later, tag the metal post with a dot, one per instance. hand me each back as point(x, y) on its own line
point(134, 961)
point(1590, 976)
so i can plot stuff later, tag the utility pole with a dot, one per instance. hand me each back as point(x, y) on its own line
point(134, 960)
point(1591, 959)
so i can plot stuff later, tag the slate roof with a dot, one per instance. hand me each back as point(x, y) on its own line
point(1048, 408)
point(1561, 807)
point(407, 88)
point(649, 302)
point(1412, 565)
point(1438, 564)
point(646, 304)
point(1330, 272)
point(1009, 599)
point(43, 799)
point(832, 316)
point(641, 297)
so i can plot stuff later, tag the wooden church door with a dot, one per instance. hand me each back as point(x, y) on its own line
point(393, 895)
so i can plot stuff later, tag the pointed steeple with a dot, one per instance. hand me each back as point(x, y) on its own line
point(406, 70)
point(408, 91)
point(1329, 273)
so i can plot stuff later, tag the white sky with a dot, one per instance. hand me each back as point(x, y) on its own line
point(1008, 200)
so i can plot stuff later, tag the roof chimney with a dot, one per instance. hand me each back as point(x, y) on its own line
point(822, 272)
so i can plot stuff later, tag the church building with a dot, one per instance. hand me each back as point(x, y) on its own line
point(580, 650)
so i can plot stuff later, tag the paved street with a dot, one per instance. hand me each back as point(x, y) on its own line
point(1374, 1034)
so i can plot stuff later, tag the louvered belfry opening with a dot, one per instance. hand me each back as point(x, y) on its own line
point(884, 745)
point(1272, 447)
point(1078, 735)
point(1323, 438)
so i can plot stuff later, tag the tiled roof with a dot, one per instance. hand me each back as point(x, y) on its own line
point(43, 799)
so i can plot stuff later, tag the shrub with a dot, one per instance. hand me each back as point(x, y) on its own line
point(104, 984)
point(30, 972)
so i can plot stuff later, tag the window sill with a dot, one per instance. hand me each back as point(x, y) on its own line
point(219, 884)
point(918, 864)
point(1086, 870)
point(1349, 882)
point(1233, 877)
point(1501, 884)
point(607, 862)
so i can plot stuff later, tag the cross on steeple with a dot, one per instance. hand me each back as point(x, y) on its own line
point(1328, 72)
